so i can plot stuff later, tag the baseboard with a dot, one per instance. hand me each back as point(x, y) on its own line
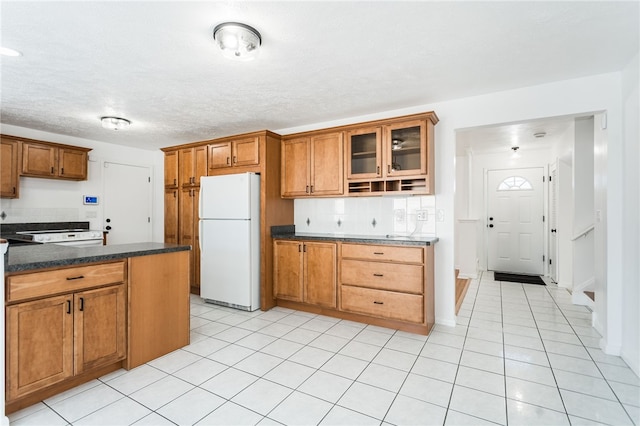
point(632, 360)
point(448, 323)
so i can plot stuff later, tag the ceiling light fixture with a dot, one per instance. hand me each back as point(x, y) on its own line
point(540, 134)
point(5, 51)
point(237, 41)
point(515, 148)
point(115, 123)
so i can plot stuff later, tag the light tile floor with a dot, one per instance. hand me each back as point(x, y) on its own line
point(520, 354)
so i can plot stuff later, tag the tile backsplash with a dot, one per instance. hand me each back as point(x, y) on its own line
point(367, 215)
point(29, 215)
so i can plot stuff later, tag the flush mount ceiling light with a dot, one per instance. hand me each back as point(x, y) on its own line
point(539, 135)
point(237, 41)
point(115, 123)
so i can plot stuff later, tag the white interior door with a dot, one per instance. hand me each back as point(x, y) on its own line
point(127, 203)
point(515, 220)
point(553, 208)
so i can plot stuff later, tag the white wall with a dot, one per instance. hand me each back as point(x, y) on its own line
point(577, 96)
point(631, 274)
point(51, 200)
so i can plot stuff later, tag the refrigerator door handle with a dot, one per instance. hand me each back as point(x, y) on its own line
point(200, 236)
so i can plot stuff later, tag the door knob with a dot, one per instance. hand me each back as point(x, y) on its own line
point(108, 228)
point(553, 230)
point(490, 225)
point(108, 220)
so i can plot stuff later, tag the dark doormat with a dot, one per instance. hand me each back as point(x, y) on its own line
point(518, 278)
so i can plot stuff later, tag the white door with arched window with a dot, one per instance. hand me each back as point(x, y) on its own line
point(515, 220)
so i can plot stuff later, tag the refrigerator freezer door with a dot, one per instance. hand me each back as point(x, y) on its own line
point(227, 196)
point(229, 274)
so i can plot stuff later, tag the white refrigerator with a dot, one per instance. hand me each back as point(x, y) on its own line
point(230, 240)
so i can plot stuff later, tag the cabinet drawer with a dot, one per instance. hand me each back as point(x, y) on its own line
point(384, 253)
point(384, 304)
point(381, 275)
point(47, 283)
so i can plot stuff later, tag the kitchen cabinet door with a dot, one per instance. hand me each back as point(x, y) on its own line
point(39, 160)
point(327, 158)
point(364, 153)
point(9, 179)
point(219, 155)
point(295, 167)
point(72, 164)
point(99, 327)
point(171, 202)
point(320, 274)
point(188, 234)
point(246, 152)
point(39, 344)
point(405, 147)
point(193, 165)
point(288, 270)
point(171, 169)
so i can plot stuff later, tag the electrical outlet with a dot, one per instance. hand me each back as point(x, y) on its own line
point(423, 215)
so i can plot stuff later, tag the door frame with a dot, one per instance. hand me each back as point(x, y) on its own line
point(545, 213)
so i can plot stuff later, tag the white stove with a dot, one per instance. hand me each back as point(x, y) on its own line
point(67, 237)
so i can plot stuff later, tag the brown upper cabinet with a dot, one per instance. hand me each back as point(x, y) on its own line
point(239, 152)
point(171, 169)
point(54, 161)
point(390, 156)
point(312, 165)
point(192, 165)
point(10, 157)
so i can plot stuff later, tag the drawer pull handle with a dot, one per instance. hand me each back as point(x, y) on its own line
point(68, 306)
point(79, 277)
point(378, 275)
point(378, 303)
point(82, 304)
point(378, 252)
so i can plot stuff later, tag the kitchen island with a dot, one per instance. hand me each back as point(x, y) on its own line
point(76, 313)
point(385, 280)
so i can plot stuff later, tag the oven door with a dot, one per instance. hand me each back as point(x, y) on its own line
point(81, 243)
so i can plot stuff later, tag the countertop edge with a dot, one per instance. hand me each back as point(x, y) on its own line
point(398, 240)
point(128, 250)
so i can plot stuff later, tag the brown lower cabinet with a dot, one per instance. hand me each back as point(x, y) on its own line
point(52, 339)
point(380, 284)
point(69, 325)
point(305, 272)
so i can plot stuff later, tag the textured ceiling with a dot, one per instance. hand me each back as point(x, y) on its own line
point(156, 64)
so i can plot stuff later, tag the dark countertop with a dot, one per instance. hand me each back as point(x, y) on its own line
point(40, 256)
point(372, 239)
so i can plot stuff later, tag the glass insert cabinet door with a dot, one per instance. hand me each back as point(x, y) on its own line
point(364, 153)
point(405, 146)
